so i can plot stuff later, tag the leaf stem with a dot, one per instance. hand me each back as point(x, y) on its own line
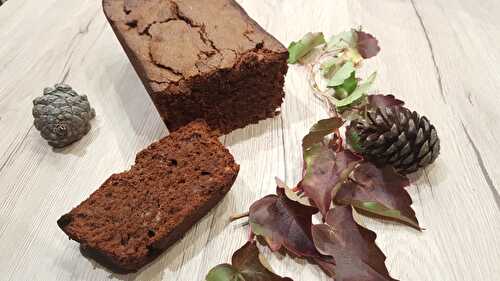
point(238, 216)
point(251, 236)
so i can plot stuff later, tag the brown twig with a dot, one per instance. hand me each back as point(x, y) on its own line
point(238, 216)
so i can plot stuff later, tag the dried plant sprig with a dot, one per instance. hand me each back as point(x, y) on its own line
point(332, 65)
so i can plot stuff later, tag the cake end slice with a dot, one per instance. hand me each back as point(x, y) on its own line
point(202, 59)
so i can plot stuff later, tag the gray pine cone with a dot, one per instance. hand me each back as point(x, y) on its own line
point(61, 115)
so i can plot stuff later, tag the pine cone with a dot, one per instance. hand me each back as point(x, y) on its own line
point(396, 136)
point(61, 115)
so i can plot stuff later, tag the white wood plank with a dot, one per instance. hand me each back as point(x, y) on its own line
point(469, 72)
point(44, 42)
point(41, 184)
point(452, 198)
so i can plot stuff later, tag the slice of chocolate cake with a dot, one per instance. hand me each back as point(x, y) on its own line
point(135, 215)
point(201, 59)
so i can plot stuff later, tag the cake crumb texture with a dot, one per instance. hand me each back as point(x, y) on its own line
point(137, 214)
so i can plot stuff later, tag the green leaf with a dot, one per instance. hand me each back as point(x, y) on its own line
point(320, 130)
point(352, 54)
point(224, 272)
point(358, 94)
point(354, 140)
point(299, 49)
point(328, 68)
point(342, 74)
point(247, 265)
point(345, 39)
point(310, 156)
point(348, 86)
point(340, 93)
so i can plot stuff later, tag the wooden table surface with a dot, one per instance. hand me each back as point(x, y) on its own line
point(441, 56)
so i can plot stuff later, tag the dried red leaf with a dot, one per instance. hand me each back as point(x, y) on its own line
point(326, 170)
point(367, 45)
point(284, 223)
point(380, 101)
point(357, 257)
point(378, 192)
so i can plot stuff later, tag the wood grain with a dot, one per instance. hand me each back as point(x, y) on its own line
point(440, 56)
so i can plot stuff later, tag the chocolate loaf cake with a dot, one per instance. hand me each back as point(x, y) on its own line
point(135, 215)
point(202, 59)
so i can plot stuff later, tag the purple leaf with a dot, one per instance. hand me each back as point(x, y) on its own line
point(284, 223)
point(357, 257)
point(367, 45)
point(378, 192)
point(320, 130)
point(380, 101)
point(325, 170)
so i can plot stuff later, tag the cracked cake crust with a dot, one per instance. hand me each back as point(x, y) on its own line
point(201, 59)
